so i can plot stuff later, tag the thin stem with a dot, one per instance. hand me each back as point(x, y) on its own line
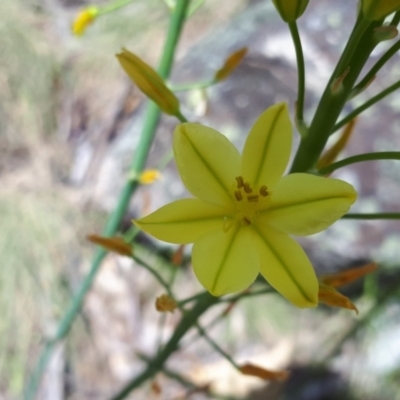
point(152, 115)
point(377, 66)
point(156, 275)
point(300, 71)
point(114, 6)
point(187, 322)
point(192, 86)
point(215, 346)
point(366, 105)
point(372, 216)
point(383, 155)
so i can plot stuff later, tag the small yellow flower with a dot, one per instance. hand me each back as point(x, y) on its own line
point(375, 10)
point(149, 176)
point(83, 20)
point(290, 10)
point(245, 210)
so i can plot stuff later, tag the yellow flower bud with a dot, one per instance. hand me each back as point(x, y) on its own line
point(83, 20)
point(375, 10)
point(290, 10)
point(149, 82)
point(164, 303)
point(149, 176)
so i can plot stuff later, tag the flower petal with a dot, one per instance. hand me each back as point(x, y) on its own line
point(304, 204)
point(225, 262)
point(183, 221)
point(285, 266)
point(207, 162)
point(267, 149)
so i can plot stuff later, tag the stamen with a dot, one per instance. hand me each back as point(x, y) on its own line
point(240, 182)
point(253, 198)
point(238, 195)
point(247, 188)
point(264, 191)
point(246, 221)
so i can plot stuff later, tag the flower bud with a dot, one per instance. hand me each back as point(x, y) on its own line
point(149, 82)
point(164, 303)
point(230, 64)
point(290, 10)
point(83, 20)
point(375, 10)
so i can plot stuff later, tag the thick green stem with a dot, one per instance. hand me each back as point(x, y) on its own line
point(383, 155)
point(152, 115)
point(188, 321)
point(333, 99)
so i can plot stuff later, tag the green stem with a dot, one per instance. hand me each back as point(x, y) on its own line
point(300, 72)
point(366, 105)
point(156, 275)
point(372, 216)
point(188, 320)
point(114, 6)
point(377, 66)
point(354, 57)
point(152, 115)
point(193, 86)
point(383, 155)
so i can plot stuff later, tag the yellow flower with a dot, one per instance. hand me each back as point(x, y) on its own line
point(83, 20)
point(245, 210)
point(375, 10)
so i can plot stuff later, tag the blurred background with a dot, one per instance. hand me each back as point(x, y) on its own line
point(69, 123)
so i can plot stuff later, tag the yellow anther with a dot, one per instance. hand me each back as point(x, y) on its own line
point(240, 182)
point(238, 195)
point(264, 191)
point(247, 188)
point(253, 198)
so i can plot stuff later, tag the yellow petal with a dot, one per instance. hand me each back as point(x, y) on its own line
point(225, 262)
point(285, 266)
point(304, 204)
point(267, 149)
point(331, 297)
point(183, 221)
point(207, 162)
point(149, 82)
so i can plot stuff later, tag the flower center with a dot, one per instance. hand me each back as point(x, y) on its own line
point(248, 200)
